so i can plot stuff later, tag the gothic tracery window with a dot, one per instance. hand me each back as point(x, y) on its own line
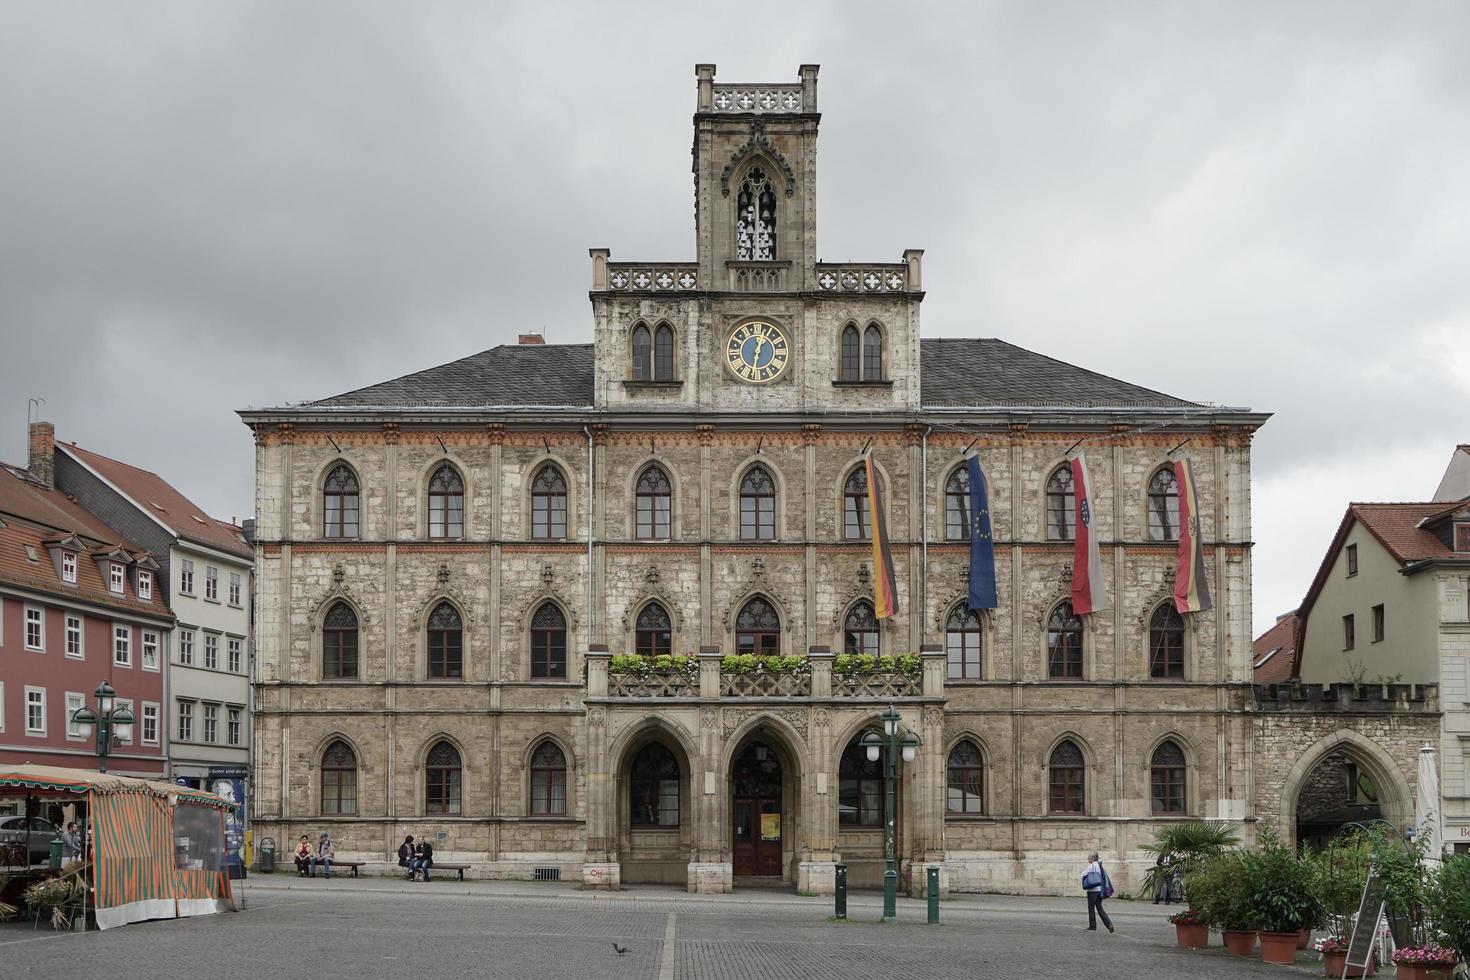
point(860, 629)
point(663, 353)
point(548, 642)
point(851, 366)
point(1163, 506)
point(1067, 779)
point(755, 220)
point(642, 354)
point(966, 780)
point(1166, 778)
point(757, 505)
point(652, 499)
point(446, 642)
point(339, 643)
point(339, 503)
point(1061, 505)
point(757, 628)
point(442, 773)
point(653, 633)
point(1064, 643)
point(872, 353)
point(653, 788)
point(957, 505)
point(446, 503)
point(1166, 643)
point(549, 504)
point(962, 636)
point(339, 780)
point(548, 781)
point(855, 517)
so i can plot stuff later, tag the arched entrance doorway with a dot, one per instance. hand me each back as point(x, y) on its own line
point(756, 800)
point(1343, 778)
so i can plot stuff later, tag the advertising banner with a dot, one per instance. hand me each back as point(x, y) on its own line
point(229, 782)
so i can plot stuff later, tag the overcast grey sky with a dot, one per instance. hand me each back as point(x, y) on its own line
point(213, 205)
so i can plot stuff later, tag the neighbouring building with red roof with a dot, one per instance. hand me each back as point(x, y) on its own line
point(1391, 603)
point(1273, 655)
point(79, 605)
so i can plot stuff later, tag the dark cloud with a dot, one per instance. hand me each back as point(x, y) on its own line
point(216, 205)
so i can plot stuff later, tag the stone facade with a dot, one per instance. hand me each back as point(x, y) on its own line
point(705, 428)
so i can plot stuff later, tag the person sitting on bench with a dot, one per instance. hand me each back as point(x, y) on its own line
point(423, 858)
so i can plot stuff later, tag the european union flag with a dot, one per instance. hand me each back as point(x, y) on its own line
point(982, 543)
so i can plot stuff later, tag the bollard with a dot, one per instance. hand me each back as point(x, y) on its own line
point(841, 891)
point(933, 890)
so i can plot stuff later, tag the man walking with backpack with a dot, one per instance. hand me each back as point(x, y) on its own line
point(1099, 886)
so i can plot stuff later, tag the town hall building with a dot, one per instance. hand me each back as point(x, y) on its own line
point(528, 602)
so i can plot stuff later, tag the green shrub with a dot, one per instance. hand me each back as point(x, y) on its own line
point(1447, 901)
point(749, 663)
point(1281, 887)
point(849, 664)
point(1218, 889)
point(666, 663)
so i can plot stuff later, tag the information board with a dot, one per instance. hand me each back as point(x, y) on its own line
point(1365, 926)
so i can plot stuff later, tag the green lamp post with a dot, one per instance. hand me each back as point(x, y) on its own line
point(894, 740)
point(110, 719)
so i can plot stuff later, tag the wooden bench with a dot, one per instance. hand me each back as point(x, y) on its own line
point(339, 865)
point(440, 866)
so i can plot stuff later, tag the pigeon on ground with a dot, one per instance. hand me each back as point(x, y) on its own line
point(620, 950)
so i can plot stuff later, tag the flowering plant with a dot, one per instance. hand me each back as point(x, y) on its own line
point(1331, 944)
point(1189, 917)
point(1426, 955)
point(848, 664)
point(773, 663)
point(664, 663)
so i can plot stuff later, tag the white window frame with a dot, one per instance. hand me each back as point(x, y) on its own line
point(211, 651)
point(211, 583)
point(30, 731)
point(235, 589)
point(186, 576)
point(183, 703)
point(115, 577)
point(149, 638)
point(149, 709)
point(67, 619)
point(40, 622)
point(123, 703)
point(124, 633)
point(145, 584)
point(234, 654)
point(234, 725)
point(75, 700)
point(186, 647)
point(69, 567)
point(210, 730)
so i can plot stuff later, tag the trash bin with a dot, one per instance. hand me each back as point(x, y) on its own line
point(267, 855)
point(56, 852)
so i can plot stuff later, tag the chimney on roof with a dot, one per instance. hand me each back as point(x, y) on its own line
point(42, 459)
point(532, 339)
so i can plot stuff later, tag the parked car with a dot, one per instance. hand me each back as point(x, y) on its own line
point(42, 832)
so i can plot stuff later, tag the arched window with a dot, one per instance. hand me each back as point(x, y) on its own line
point(757, 505)
point(549, 504)
point(442, 779)
point(1061, 505)
point(860, 629)
point(962, 642)
point(859, 788)
point(653, 788)
point(1166, 643)
point(957, 505)
point(339, 642)
point(446, 642)
point(757, 628)
point(872, 353)
point(850, 367)
point(1064, 643)
point(1166, 776)
point(755, 218)
point(339, 503)
point(856, 525)
point(652, 499)
point(339, 780)
point(446, 503)
point(1163, 506)
point(663, 353)
point(966, 779)
point(653, 634)
point(1066, 778)
point(548, 781)
point(642, 354)
point(548, 642)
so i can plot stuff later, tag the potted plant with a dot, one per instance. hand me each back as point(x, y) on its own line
point(1283, 897)
point(1191, 929)
point(1334, 950)
point(1217, 890)
point(1447, 900)
point(1179, 851)
point(1426, 962)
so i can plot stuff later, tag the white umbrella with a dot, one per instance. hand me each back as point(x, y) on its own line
point(1428, 822)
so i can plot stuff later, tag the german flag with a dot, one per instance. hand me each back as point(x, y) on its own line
point(1191, 588)
point(885, 594)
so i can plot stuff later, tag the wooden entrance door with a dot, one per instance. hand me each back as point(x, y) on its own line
point(756, 817)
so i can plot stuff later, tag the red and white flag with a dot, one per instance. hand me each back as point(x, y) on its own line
point(1088, 593)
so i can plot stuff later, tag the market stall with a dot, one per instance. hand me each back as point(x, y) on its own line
point(154, 850)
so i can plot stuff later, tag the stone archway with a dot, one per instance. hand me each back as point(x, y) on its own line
point(1316, 796)
point(765, 829)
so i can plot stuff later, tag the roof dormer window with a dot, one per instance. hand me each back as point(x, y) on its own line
point(145, 585)
point(31, 555)
point(115, 577)
point(1462, 536)
point(69, 567)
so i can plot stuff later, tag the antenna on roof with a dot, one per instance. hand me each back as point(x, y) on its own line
point(334, 444)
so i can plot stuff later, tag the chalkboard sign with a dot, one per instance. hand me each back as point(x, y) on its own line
point(1365, 927)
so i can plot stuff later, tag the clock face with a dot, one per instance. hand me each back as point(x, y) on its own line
point(758, 352)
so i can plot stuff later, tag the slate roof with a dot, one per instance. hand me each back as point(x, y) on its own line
point(1273, 654)
point(956, 373)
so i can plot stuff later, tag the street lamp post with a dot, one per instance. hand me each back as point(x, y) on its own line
point(894, 740)
point(109, 719)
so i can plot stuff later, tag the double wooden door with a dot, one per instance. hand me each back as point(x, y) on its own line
point(756, 817)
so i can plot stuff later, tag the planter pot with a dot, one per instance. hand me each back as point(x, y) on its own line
point(1278, 947)
point(1304, 937)
point(1240, 942)
point(1416, 971)
point(1192, 936)
point(1333, 965)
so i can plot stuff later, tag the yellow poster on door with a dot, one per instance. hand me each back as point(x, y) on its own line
point(770, 826)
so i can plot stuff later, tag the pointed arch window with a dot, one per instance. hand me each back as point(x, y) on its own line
point(442, 777)
point(663, 353)
point(653, 788)
point(1166, 643)
point(446, 503)
point(446, 642)
point(757, 628)
point(1061, 505)
point(548, 781)
point(339, 643)
point(860, 629)
point(851, 366)
point(653, 498)
point(548, 642)
point(339, 780)
point(872, 353)
point(1166, 778)
point(339, 503)
point(856, 522)
point(859, 788)
point(957, 505)
point(962, 636)
point(653, 633)
point(642, 344)
point(966, 780)
point(1163, 506)
point(755, 218)
point(757, 505)
point(549, 504)
point(1064, 643)
point(1066, 779)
